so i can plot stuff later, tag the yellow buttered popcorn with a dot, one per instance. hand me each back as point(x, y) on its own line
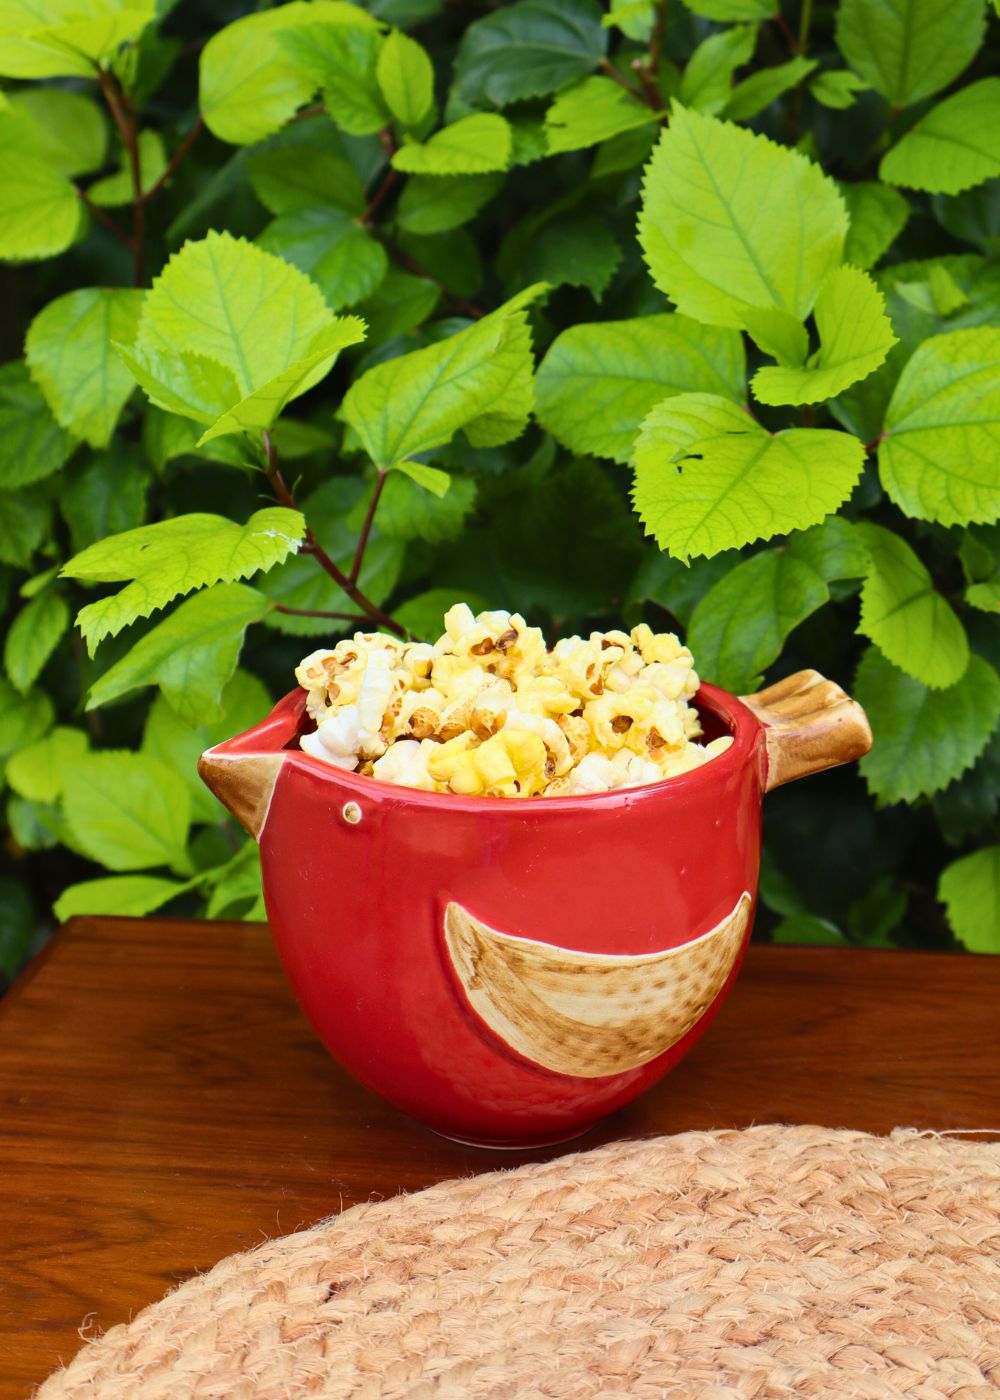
point(488, 710)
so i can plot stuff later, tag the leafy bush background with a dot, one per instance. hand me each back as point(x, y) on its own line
point(427, 166)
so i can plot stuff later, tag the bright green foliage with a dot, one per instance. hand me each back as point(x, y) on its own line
point(854, 338)
point(954, 147)
point(709, 478)
point(343, 60)
point(288, 177)
point(32, 444)
point(777, 333)
point(970, 891)
point(528, 49)
point(713, 245)
point(64, 38)
point(406, 76)
point(344, 261)
point(437, 203)
point(115, 190)
point(909, 51)
point(924, 739)
point(128, 896)
point(38, 772)
point(598, 382)
point(127, 811)
point(878, 215)
point(70, 356)
point(175, 556)
point(65, 130)
point(40, 211)
point(191, 654)
point(837, 88)
point(939, 460)
point(735, 10)
point(755, 93)
point(707, 80)
point(905, 616)
point(590, 111)
point(33, 637)
point(23, 719)
point(474, 145)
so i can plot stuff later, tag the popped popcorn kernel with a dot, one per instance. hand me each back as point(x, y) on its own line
point(488, 710)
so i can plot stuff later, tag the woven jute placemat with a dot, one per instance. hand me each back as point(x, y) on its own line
point(771, 1262)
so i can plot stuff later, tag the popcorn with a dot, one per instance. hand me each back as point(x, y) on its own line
point(488, 711)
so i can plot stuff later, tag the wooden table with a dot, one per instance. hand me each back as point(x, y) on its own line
point(164, 1103)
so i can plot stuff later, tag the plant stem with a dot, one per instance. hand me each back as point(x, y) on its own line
point(366, 529)
point(104, 219)
point(125, 120)
point(313, 546)
point(609, 68)
point(805, 21)
point(391, 176)
point(787, 31)
point(417, 268)
point(175, 159)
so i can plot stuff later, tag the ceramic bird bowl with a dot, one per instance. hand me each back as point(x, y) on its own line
point(511, 971)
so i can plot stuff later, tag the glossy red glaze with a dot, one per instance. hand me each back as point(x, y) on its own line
point(357, 912)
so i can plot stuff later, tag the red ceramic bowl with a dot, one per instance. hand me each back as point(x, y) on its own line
point(510, 971)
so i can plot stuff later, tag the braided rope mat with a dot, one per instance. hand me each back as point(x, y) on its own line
point(771, 1262)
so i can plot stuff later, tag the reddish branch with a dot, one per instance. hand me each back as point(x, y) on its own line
point(105, 219)
point(366, 529)
point(125, 119)
point(175, 159)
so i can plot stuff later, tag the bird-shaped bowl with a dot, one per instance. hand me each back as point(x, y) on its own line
point(510, 971)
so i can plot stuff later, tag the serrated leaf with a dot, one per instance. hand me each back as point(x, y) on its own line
point(967, 806)
point(32, 444)
point(66, 130)
point(969, 889)
point(940, 457)
point(125, 896)
point(38, 771)
point(437, 203)
point(598, 382)
point(973, 216)
point(399, 304)
point(115, 190)
point(777, 333)
point(340, 256)
point(758, 91)
point(431, 479)
point(127, 811)
point(182, 382)
point(741, 624)
point(855, 335)
point(954, 147)
point(344, 63)
point(576, 252)
point(906, 618)
point(176, 556)
point(69, 352)
point(473, 145)
point(406, 76)
point(712, 245)
point(591, 111)
point(191, 655)
point(40, 210)
point(877, 216)
point(708, 75)
point(835, 549)
point(24, 519)
point(287, 177)
point(33, 636)
point(528, 49)
point(729, 11)
point(56, 39)
point(909, 52)
point(924, 739)
point(249, 83)
point(838, 89)
point(105, 495)
point(708, 477)
point(419, 401)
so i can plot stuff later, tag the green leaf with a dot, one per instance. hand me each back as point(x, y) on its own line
point(878, 215)
point(708, 477)
point(837, 89)
point(431, 479)
point(174, 557)
point(855, 335)
point(940, 458)
point(288, 177)
point(835, 549)
point(528, 49)
point(474, 145)
point(340, 256)
point(406, 76)
point(127, 896)
point(906, 618)
point(708, 76)
point(758, 91)
point(344, 62)
point(970, 891)
point(399, 304)
point(249, 83)
point(712, 245)
point(127, 811)
point(38, 772)
point(967, 806)
point(924, 738)
point(954, 147)
point(32, 444)
point(65, 130)
point(802, 930)
point(23, 719)
point(726, 11)
point(985, 596)
point(409, 513)
point(238, 880)
point(34, 635)
point(578, 252)
point(741, 624)
point(23, 522)
point(116, 190)
point(939, 296)
point(777, 333)
point(598, 382)
point(107, 495)
point(190, 655)
point(437, 203)
point(69, 353)
point(909, 52)
point(419, 401)
point(185, 383)
point(591, 111)
point(40, 210)
point(973, 216)
point(66, 38)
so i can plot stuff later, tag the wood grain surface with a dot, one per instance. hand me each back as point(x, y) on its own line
point(165, 1103)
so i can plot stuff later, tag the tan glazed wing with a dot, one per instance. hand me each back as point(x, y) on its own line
point(590, 1014)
